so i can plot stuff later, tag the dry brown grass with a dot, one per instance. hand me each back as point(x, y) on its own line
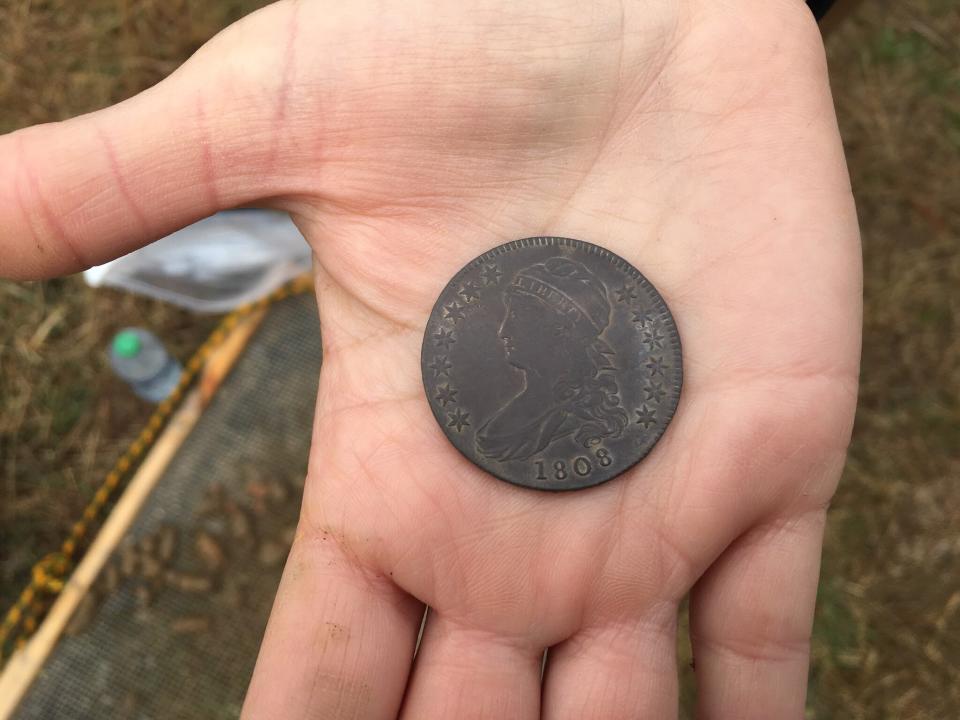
point(886, 641)
point(888, 633)
point(60, 58)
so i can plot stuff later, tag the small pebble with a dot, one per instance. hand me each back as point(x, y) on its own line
point(189, 583)
point(190, 624)
point(209, 550)
point(129, 558)
point(166, 544)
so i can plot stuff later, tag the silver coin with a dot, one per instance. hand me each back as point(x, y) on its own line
point(552, 363)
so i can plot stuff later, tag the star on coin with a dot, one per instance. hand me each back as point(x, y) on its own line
point(655, 366)
point(627, 293)
point(454, 311)
point(490, 274)
point(655, 392)
point(643, 318)
point(444, 339)
point(469, 292)
point(652, 338)
point(458, 419)
point(645, 417)
point(440, 366)
point(446, 394)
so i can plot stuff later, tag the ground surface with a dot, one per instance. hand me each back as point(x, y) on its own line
point(887, 639)
point(183, 601)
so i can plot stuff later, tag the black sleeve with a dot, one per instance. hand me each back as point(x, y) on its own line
point(820, 7)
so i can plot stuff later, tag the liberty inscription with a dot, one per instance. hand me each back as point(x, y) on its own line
point(552, 363)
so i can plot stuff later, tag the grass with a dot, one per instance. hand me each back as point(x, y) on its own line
point(887, 638)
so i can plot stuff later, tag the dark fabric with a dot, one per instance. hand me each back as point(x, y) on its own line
point(819, 7)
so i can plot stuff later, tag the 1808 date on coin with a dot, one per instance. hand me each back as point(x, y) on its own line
point(552, 363)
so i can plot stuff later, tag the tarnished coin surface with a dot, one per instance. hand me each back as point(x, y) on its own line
point(552, 363)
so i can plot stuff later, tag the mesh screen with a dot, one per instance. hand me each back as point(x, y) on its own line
point(174, 626)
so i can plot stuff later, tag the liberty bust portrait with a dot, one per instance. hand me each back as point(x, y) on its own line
point(555, 315)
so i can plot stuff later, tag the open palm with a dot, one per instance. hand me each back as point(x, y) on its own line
point(695, 139)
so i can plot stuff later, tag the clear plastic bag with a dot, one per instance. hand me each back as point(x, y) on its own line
point(215, 264)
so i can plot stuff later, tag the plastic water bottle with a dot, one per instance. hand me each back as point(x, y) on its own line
point(138, 357)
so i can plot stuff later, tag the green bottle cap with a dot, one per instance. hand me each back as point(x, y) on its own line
point(126, 344)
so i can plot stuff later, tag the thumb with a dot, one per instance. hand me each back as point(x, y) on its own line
point(81, 192)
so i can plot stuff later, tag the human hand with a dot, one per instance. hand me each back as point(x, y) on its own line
point(697, 140)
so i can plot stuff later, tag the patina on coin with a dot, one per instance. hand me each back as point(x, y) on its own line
point(552, 363)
